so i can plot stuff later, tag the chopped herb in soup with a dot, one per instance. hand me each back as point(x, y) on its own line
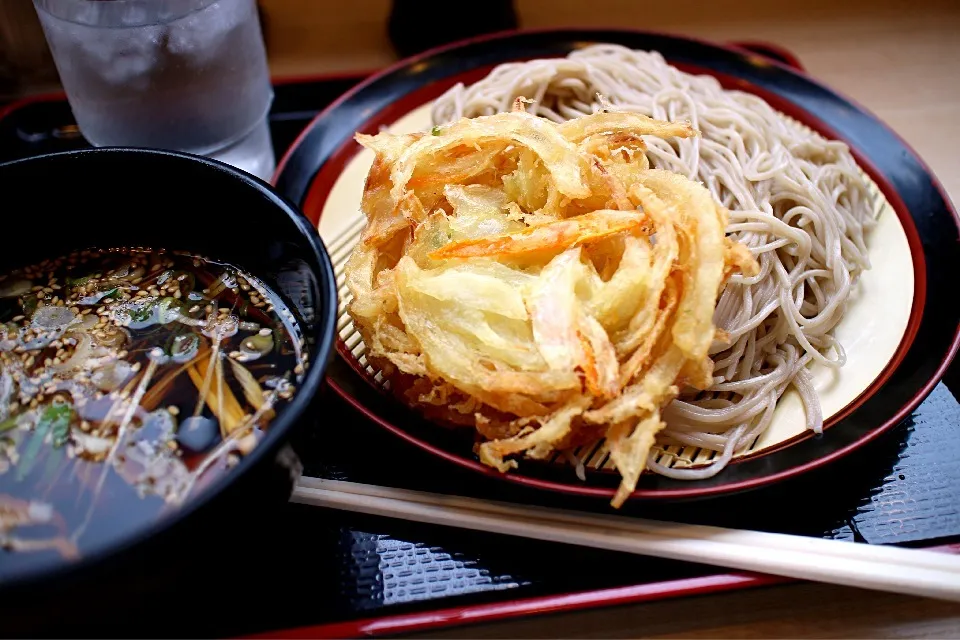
point(129, 378)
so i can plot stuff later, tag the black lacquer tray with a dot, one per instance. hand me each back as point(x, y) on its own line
point(322, 573)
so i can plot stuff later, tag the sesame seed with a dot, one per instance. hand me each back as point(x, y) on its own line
point(265, 332)
point(174, 410)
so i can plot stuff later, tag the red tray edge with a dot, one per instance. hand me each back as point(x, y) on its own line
point(559, 603)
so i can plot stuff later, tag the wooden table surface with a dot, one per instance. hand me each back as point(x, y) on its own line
point(896, 58)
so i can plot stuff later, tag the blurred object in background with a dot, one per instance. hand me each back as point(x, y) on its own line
point(418, 25)
point(188, 75)
point(26, 65)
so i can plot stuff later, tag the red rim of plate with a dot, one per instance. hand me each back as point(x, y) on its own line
point(318, 190)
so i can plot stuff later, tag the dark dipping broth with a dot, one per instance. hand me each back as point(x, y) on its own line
point(130, 379)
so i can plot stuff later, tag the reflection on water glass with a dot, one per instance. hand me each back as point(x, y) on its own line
point(189, 75)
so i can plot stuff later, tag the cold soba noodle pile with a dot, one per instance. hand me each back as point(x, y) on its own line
point(796, 199)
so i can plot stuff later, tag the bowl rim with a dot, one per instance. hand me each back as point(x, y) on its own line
point(324, 335)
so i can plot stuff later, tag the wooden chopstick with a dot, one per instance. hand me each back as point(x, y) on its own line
point(897, 570)
point(733, 536)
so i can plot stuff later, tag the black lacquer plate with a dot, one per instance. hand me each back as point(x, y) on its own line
point(330, 574)
point(316, 160)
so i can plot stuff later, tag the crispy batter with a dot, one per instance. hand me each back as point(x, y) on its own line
point(539, 281)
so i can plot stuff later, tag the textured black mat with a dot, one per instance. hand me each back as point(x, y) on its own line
point(312, 566)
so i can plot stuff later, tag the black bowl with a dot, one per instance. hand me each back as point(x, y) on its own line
point(59, 203)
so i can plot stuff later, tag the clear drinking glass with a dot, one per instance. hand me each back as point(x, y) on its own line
point(189, 75)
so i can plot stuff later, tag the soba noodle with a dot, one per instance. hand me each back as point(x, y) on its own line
point(796, 199)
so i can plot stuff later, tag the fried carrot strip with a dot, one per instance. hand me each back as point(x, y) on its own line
point(557, 236)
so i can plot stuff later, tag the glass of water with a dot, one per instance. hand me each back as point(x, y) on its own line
point(188, 75)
